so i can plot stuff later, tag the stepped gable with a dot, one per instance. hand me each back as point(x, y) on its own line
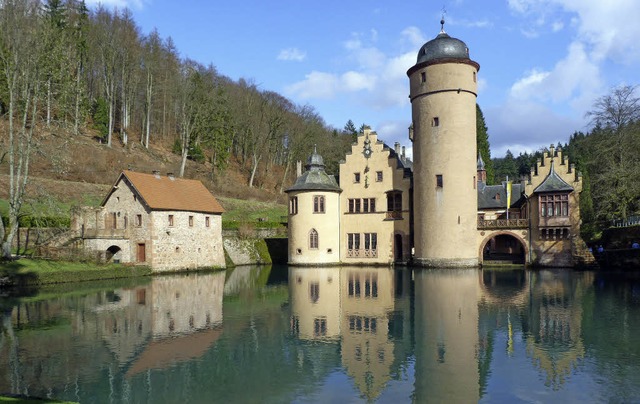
point(160, 192)
point(553, 183)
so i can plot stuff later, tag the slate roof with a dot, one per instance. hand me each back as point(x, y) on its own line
point(553, 183)
point(160, 192)
point(487, 196)
point(315, 178)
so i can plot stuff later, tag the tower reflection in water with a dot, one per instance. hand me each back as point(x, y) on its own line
point(450, 337)
point(366, 310)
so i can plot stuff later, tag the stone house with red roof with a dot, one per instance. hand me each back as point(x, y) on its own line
point(164, 222)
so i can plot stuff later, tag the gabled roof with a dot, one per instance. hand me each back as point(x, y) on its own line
point(487, 196)
point(160, 192)
point(553, 183)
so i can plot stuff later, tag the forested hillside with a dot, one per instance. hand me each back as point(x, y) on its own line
point(71, 76)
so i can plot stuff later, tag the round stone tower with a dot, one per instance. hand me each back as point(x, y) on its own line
point(443, 87)
point(314, 216)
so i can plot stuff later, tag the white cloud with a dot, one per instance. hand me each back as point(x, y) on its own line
point(377, 80)
point(292, 54)
point(609, 28)
point(574, 79)
point(414, 36)
point(315, 85)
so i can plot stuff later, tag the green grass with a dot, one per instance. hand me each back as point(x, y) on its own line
point(239, 210)
point(23, 399)
point(26, 271)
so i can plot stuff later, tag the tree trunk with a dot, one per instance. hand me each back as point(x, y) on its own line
point(284, 177)
point(256, 160)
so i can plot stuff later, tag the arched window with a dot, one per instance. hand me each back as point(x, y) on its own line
point(313, 239)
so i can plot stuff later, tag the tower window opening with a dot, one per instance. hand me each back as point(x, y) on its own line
point(439, 181)
point(356, 178)
point(318, 204)
point(423, 76)
point(313, 239)
point(436, 121)
point(474, 77)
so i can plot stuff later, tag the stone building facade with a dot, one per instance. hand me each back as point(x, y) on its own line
point(438, 211)
point(375, 203)
point(164, 222)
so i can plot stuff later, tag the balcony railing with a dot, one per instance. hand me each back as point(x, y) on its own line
point(394, 214)
point(352, 253)
point(503, 224)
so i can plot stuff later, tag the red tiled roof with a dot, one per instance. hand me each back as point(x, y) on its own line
point(169, 193)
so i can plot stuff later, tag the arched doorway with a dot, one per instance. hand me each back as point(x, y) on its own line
point(397, 245)
point(504, 248)
point(113, 254)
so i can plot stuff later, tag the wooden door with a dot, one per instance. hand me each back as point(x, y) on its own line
point(141, 253)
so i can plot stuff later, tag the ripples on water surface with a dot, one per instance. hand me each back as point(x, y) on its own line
point(328, 335)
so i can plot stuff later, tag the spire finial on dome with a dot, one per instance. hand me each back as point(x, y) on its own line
point(444, 11)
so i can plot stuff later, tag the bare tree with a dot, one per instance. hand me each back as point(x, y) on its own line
point(21, 60)
point(616, 109)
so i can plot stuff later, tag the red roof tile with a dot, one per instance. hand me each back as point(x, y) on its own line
point(168, 193)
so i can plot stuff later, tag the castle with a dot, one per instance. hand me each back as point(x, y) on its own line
point(436, 211)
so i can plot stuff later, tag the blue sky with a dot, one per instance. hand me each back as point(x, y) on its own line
point(542, 62)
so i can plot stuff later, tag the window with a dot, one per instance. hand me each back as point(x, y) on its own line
point(319, 327)
point(170, 220)
point(369, 205)
point(378, 176)
point(318, 204)
point(354, 285)
point(138, 220)
point(423, 76)
point(554, 205)
point(435, 121)
point(314, 292)
point(370, 241)
point(356, 178)
point(207, 221)
point(313, 239)
point(474, 77)
point(353, 241)
point(394, 201)
point(293, 205)
point(190, 221)
point(439, 181)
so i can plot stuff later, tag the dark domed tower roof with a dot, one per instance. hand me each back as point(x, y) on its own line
point(315, 160)
point(443, 48)
point(315, 178)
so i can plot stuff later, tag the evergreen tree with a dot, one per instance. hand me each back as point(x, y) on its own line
point(482, 142)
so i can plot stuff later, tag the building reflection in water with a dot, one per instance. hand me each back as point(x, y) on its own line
point(365, 309)
point(554, 322)
point(169, 320)
point(446, 334)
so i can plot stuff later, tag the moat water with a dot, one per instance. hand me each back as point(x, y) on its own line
point(303, 335)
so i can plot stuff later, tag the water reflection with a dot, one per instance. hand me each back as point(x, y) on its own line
point(330, 335)
point(169, 320)
point(366, 309)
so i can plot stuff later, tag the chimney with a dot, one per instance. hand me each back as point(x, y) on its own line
point(298, 168)
point(171, 176)
point(403, 154)
point(397, 147)
point(156, 173)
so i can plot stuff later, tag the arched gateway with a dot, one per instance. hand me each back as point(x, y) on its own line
point(503, 246)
